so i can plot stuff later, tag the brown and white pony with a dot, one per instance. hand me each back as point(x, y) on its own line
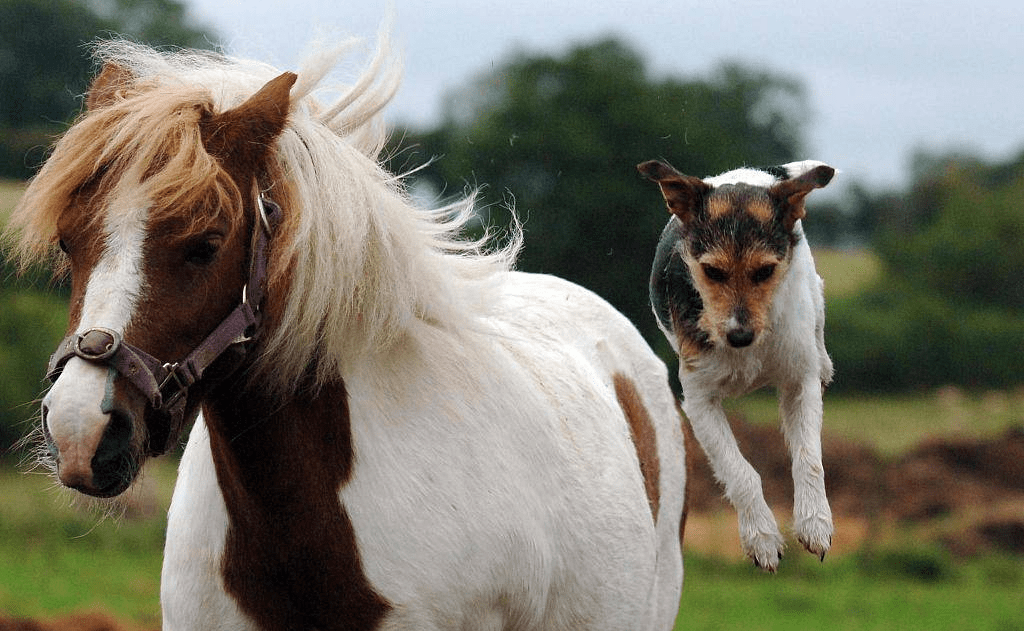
point(397, 431)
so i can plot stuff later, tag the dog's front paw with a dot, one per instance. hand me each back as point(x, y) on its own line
point(815, 533)
point(762, 542)
point(766, 551)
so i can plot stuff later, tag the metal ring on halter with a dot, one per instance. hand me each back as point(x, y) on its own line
point(263, 213)
point(109, 348)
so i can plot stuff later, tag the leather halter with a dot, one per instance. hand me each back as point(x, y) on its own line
point(166, 384)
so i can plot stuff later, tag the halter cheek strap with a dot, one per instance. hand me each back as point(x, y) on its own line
point(165, 385)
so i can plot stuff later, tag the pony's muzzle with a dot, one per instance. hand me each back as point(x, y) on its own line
point(91, 448)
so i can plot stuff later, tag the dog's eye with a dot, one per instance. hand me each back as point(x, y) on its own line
point(203, 251)
point(715, 274)
point(762, 273)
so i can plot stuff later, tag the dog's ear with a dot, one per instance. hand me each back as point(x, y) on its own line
point(789, 195)
point(684, 194)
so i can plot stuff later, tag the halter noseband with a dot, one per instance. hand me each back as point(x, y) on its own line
point(166, 384)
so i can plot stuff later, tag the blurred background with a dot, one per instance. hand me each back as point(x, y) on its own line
point(548, 106)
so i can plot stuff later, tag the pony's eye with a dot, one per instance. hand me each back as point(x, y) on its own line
point(715, 274)
point(203, 251)
point(762, 273)
point(63, 246)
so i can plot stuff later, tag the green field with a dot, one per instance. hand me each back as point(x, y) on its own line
point(56, 559)
point(59, 557)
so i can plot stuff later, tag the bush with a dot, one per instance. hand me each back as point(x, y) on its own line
point(949, 308)
point(901, 337)
point(970, 251)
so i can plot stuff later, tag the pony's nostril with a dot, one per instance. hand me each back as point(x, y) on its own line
point(116, 438)
point(113, 463)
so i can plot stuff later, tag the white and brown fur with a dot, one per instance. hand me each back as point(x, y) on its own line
point(736, 293)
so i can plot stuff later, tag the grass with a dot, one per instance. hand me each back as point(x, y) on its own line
point(56, 558)
point(847, 272)
point(907, 590)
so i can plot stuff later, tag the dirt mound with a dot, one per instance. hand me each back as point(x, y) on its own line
point(980, 479)
point(72, 622)
point(942, 477)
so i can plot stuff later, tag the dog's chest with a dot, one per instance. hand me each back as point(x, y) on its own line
point(728, 372)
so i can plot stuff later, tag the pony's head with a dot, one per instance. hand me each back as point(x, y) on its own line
point(152, 197)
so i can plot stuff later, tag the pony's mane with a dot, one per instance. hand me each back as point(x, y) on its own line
point(357, 266)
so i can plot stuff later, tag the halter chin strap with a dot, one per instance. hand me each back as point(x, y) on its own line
point(166, 384)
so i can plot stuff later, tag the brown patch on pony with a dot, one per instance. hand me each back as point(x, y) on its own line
point(290, 558)
point(644, 438)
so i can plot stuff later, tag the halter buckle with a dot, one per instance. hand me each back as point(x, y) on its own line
point(178, 383)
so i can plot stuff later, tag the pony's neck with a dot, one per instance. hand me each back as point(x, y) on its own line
point(290, 557)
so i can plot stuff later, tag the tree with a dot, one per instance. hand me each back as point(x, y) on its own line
point(950, 305)
point(962, 239)
point(45, 63)
point(561, 137)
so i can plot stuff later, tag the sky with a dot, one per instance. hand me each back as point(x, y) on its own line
point(884, 78)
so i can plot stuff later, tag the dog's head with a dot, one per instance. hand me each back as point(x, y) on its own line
point(731, 241)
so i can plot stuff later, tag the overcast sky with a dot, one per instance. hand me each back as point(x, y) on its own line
point(883, 77)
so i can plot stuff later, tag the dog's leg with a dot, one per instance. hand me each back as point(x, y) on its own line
point(800, 409)
point(759, 534)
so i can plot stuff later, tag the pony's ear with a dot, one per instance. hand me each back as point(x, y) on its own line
point(113, 79)
point(789, 194)
point(684, 194)
point(251, 128)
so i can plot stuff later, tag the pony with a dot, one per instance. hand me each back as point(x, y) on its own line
point(397, 430)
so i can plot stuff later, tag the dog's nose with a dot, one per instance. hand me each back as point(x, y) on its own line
point(738, 338)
